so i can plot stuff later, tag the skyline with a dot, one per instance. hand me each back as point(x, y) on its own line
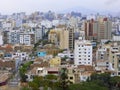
point(29, 6)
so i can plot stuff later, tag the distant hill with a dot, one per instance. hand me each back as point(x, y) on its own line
point(79, 9)
point(87, 11)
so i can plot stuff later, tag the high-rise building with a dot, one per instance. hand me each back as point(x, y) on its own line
point(1, 38)
point(114, 59)
point(102, 54)
point(104, 29)
point(27, 38)
point(98, 29)
point(83, 52)
point(60, 37)
point(64, 39)
point(71, 37)
point(14, 37)
point(38, 34)
point(53, 36)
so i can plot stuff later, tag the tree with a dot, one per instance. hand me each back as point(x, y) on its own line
point(63, 79)
point(51, 77)
point(34, 86)
point(51, 80)
point(87, 86)
point(23, 70)
point(102, 79)
point(115, 82)
point(36, 83)
point(25, 88)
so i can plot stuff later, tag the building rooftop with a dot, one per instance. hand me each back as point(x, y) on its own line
point(3, 77)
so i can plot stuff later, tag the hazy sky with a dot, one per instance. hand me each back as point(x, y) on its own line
point(10, 6)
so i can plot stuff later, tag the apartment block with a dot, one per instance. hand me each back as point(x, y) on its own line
point(83, 52)
point(98, 29)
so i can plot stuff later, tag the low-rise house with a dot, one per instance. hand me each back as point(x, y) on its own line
point(73, 74)
point(85, 72)
point(6, 48)
point(10, 64)
point(23, 48)
point(67, 54)
point(51, 49)
point(55, 62)
point(36, 71)
point(53, 70)
point(7, 55)
point(39, 62)
point(41, 54)
point(4, 78)
point(23, 55)
point(41, 71)
point(1, 54)
point(104, 66)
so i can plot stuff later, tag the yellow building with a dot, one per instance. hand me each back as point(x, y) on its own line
point(60, 37)
point(64, 39)
point(1, 54)
point(53, 36)
point(55, 62)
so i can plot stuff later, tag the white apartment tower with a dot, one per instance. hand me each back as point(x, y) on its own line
point(83, 52)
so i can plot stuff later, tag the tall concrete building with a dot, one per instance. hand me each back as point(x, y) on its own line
point(71, 37)
point(104, 29)
point(53, 36)
point(64, 39)
point(27, 38)
point(14, 37)
point(1, 38)
point(102, 54)
point(38, 34)
point(114, 59)
point(83, 52)
point(98, 29)
point(60, 36)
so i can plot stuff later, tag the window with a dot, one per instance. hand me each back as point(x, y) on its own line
point(71, 77)
point(118, 73)
point(31, 76)
point(107, 63)
point(101, 57)
point(113, 65)
point(84, 78)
